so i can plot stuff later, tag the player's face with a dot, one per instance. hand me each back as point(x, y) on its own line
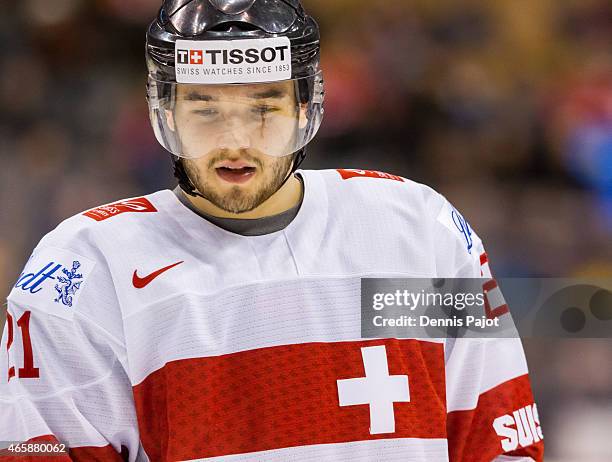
point(228, 132)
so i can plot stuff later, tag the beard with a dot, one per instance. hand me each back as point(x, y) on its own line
point(237, 200)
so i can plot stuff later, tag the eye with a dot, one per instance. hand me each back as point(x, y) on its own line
point(208, 112)
point(264, 109)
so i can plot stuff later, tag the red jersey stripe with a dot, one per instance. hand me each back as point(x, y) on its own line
point(283, 396)
point(471, 434)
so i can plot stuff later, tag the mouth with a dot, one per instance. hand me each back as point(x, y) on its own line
point(235, 172)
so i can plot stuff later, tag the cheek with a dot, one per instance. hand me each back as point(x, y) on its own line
point(279, 165)
point(185, 119)
point(184, 122)
point(197, 167)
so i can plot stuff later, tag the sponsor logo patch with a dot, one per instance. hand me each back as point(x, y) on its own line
point(233, 61)
point(52, 280)
point(68, 284)
point(454, 221)
point(348, 174)
point(464, 228)
point(104, 212)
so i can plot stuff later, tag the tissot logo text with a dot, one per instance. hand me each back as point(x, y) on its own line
point(182, 56)
point(233, 61)
point(237, 56)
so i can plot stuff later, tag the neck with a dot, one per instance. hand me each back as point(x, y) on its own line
point(284, 199)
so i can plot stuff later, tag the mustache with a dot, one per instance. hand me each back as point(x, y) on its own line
point(234, 155)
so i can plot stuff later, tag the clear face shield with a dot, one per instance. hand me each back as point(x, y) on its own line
point(277, 118)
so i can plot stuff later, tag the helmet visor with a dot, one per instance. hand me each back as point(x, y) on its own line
point(273, 118)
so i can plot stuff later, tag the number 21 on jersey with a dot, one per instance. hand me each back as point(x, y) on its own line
point(28, 371)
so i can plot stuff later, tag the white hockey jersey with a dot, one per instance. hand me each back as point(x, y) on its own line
point(140, 331)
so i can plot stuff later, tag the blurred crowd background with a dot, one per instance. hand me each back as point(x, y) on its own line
point(504, 106)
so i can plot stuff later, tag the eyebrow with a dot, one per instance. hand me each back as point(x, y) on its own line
point(271, 93)
point(194, 96)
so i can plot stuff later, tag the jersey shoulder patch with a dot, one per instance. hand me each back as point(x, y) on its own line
point(135, 205)
point(52, 281)
point(450, 217)
point(63, 261)
point(348, 174)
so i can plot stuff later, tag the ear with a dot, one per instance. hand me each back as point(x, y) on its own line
point(170, 119)
point(303, 116)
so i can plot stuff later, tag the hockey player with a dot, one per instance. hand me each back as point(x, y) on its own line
point(221, 321)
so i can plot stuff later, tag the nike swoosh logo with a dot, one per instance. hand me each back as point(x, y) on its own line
point(141, 283)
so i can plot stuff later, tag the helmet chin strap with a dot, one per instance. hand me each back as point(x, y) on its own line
point(189, 188)
point(298, 158)
point(183, 178)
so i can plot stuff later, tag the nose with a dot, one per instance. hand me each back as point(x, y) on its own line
point(233, 135)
